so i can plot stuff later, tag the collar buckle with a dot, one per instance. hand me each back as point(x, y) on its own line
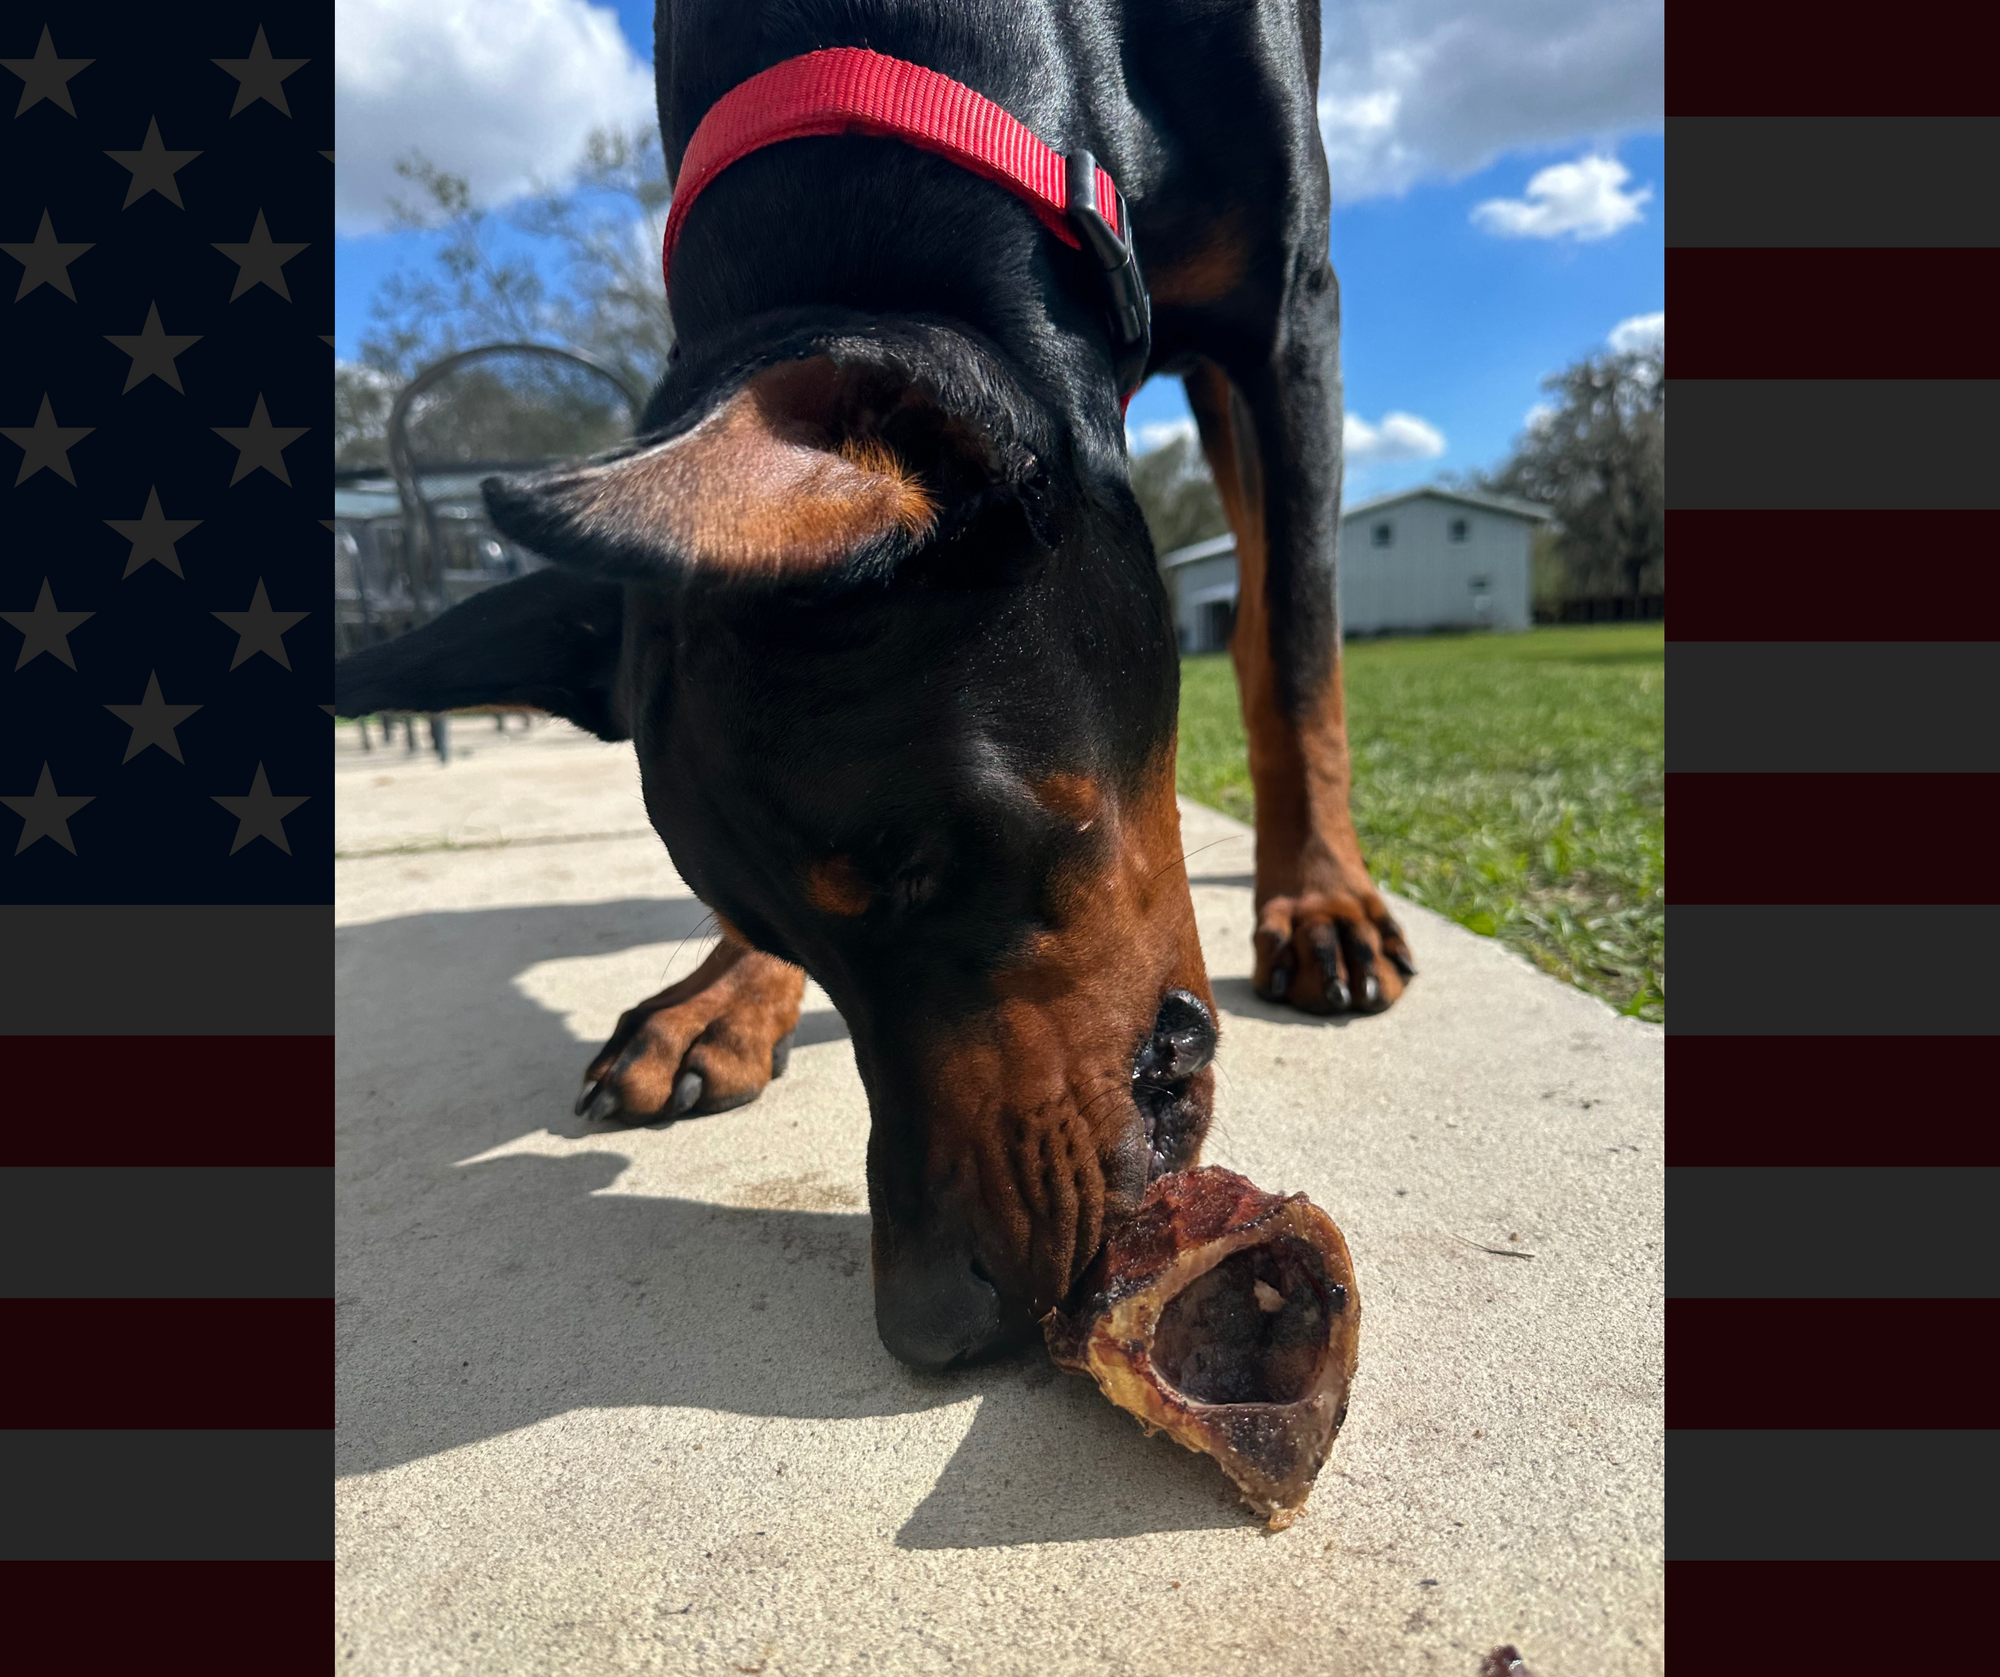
point(1131, 310)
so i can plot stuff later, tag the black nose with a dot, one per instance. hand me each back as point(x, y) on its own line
point(931, 1315)
point(1183, 1041)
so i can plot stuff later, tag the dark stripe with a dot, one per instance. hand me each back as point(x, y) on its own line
point(1833, 1496)
point(167, 971)
point(154, 1100)
point(1833, 1231)
point(1851, 314)
point(1834, 181)
point(1819, 1618)
point(170, 1496)
point(1833, 707)
point(1845, 838)
point(1833, 1362)
point(167, 1363)
point(1740, 576)
point(1778, 58)
point(120, 1231)
point(1835, 443)
point(1831, 1100)
point(1788, 971)
point(247, 1618)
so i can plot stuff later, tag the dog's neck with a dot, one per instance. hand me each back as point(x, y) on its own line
point(878, 227)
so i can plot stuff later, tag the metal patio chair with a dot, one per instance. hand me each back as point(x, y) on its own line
point(498, 408)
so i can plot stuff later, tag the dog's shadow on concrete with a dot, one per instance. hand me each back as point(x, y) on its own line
point(475, 1298)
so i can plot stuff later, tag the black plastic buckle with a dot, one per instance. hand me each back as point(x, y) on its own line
point(1131, 309)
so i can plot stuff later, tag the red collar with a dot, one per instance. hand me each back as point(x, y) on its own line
point(850, 90)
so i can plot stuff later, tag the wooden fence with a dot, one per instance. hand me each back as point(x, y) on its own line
point(1605, 608)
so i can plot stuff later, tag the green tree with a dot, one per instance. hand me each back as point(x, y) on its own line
point(1597, 456)
point(1177, 495)
point(361, 399)
point(587, 280)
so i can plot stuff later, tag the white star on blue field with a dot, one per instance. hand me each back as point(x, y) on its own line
point(166, 632)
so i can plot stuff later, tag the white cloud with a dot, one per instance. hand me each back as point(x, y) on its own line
point(1538, 415)
point(1410, 88)
point(1159, 433)
point(503, 92)
point(1642, 331)
point(1400, 436)
point(1586, 199)
point(362, 373)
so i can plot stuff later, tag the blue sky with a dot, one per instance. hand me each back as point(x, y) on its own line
point(1458, 326)
point(1446, 319)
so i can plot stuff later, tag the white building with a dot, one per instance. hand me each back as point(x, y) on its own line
point(1420, 559)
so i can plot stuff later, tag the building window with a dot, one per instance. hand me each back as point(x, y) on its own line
point(1460, 530)
point(1383, 535)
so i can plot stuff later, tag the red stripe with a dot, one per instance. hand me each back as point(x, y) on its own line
point(1844, 838)
point(1790, 1363)
point(1788, 58)
point(1833, 313)
point(226, 1618)
point(167, 1363)
point(167, 1100)
point(1810, 576)
point(1827, 1100)
point(850, 90)
point(1820, 1618)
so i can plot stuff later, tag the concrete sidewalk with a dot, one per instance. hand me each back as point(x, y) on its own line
point(612, 1400)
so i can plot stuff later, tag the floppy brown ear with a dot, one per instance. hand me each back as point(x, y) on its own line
point(806, 467)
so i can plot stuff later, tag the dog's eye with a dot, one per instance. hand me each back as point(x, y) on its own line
point(914, 889)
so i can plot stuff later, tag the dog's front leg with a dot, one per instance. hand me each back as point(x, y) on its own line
point(1325, 941)
point(706, 1044)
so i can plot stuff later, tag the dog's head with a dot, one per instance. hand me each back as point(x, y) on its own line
point(902, 681)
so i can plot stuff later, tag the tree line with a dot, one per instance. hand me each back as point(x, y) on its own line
point(1595, 454)
point(485, 284)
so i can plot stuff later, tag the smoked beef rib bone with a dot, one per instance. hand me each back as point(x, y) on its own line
point(1226, 1318)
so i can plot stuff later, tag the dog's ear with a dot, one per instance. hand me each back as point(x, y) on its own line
point(807, 468)
point(549, 639)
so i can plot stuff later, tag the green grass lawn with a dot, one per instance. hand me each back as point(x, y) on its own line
point(1512, 782)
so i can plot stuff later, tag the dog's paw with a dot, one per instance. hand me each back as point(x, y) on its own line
point(1330, 952)
point(709, 1043)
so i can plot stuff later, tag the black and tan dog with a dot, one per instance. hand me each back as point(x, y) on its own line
point(872, 598)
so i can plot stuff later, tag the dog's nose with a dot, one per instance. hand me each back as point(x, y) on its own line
point(1182, 1041)
point(931, 1315)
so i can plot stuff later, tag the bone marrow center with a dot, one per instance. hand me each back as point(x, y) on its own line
point(1251, 1330)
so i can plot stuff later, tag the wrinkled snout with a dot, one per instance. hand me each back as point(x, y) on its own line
point(1020, 1202)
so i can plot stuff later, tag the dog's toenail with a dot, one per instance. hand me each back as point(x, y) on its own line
point(604, 1104)
point(1281, 983)
point(1371, 992)
point(687, 1090)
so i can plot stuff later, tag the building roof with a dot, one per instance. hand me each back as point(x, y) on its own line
point(1217, 546)
point(449, 493)
point(366, 502)
point(1213, 548)
point(1531, 510)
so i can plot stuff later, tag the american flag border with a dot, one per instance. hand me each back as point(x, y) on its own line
point(166, 1000)
point(1749, 1100)
point(1830, 1458)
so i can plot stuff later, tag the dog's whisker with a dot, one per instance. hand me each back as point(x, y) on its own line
point(1196, 851)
